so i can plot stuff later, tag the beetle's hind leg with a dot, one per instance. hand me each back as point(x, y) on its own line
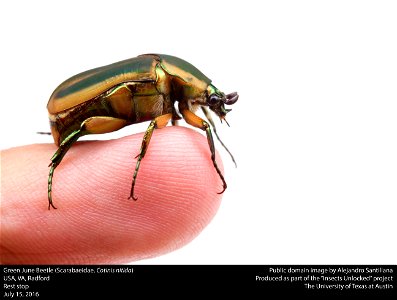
point(57, 158)
point(159, 122)
point(92, 125)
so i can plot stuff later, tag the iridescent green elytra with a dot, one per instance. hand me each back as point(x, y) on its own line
point(144, 88)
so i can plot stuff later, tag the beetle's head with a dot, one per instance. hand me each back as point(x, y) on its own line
point(216, 101)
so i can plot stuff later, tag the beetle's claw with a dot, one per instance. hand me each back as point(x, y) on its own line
point(132, 192)
point(224, 188)
point(51, 205)
point(132, 197)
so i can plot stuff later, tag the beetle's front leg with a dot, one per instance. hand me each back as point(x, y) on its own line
point(159, 122)
point(208, 116)
point(196, 121)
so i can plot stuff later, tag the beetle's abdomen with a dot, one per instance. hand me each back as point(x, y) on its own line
point(90, 84)
point(133, 102)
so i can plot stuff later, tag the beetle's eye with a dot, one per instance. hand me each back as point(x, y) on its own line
point(213, 99)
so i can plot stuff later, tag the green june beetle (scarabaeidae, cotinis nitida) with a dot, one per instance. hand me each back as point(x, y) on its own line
point(143, 88)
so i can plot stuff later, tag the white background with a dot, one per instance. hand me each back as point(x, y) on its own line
point(313, 133)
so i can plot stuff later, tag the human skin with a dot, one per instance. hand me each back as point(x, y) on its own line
point(94, 223)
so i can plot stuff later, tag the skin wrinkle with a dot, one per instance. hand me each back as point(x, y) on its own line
point(177, 189)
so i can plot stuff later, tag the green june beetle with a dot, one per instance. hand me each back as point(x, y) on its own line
point(144, 88)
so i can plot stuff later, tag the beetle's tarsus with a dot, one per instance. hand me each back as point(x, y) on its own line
point(134, 177)
point(57, 158)
point(222, 178)
point(144, 146)
point(220, 175)
point(224, 189)
point(50, 204)
point(132, 197)
point(132, 191)
point(214, 161)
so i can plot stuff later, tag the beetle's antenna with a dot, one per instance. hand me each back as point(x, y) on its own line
point(41, 132)
point(226, 122)
point(208, 116)
point(231, 98)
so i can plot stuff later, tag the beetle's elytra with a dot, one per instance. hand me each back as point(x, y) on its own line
point(136, 90)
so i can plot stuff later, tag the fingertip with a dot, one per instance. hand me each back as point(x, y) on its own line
point(177, 188)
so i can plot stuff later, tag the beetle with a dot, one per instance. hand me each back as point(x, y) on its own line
point(143, 88)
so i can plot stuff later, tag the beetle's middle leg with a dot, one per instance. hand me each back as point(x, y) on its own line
point(159, 122)
point(196, 121)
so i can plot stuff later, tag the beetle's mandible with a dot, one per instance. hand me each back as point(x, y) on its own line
point(144, 88)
